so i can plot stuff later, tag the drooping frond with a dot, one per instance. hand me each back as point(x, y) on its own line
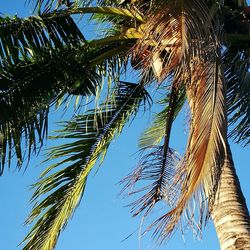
point(156, 166)
point(63, 188)
point(178, 43)
point(156, 132)
point(238, 93)
point(48, 77)
point(156, 170)
point(205, 151)
point(27, 91)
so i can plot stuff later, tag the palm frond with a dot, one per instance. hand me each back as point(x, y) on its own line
point(200, 169)
point(156, 132)
point(236, 4)
point(26, 62)
point(47, 5)
point(197, 174)
point(178, 45)
point(172, 36)
point(109, 11)
point(25, 115)
point(23, 37)
point(91, 134)
point(162, 160)
point(49, 78)
point(156, 171)
point(238, 93)
point(30, 58)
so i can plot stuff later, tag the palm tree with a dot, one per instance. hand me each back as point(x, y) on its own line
point(196, 51)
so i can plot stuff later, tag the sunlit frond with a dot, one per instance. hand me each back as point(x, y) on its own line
point(155, 133)
point(158, 166)
point(174, 39)
point(205, 151)
point(63, 188)
point(172, 36)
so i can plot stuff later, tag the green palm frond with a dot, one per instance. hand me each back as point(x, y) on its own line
point(238, 93)
point(160, 165)
point(49, 78)
point(47, 5)
point(110, 11)
point(156, 132)
point(23, 37)
point(31, 62)
point(91, 134)
point(27, 54)
point(28, 90)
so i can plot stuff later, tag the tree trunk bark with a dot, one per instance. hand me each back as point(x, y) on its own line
point(229, 211)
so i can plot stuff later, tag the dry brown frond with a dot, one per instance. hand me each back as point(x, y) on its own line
point(205, 151)
point(180, 40)
point(173, 35)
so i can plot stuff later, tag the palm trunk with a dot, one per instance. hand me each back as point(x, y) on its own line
point(229, 212)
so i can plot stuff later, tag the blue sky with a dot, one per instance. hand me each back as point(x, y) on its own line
point(102, 221)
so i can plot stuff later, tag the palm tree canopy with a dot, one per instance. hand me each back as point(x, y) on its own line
point(196, 51)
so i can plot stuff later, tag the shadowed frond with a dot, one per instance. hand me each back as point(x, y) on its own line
point(91, 134)
point(236, 3)
point(156, 170)
point(24, 37)
point(238, 93)
point(49, 78)
point(47, 5)
point(27, 75)
point(25, 115)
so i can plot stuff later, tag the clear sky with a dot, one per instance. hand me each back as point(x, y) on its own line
point(102, 221)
